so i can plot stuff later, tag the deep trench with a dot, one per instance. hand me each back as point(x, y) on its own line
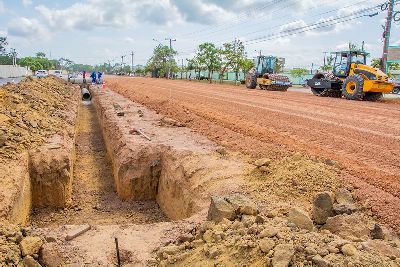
point(94, 197)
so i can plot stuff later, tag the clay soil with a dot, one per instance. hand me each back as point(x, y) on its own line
point(94, 198)
point(363, 137)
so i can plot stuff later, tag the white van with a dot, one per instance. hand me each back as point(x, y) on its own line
point(41, 73)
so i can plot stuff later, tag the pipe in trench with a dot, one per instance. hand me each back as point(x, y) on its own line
point(86, 96)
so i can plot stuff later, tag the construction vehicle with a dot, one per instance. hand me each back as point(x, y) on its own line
point(352, 78)
point(264, 75)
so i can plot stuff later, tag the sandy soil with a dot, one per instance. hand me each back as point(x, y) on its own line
point(364, 137)
point(94, 198)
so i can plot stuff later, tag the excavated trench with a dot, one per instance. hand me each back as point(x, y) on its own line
point(128, 165)
point(94, 198)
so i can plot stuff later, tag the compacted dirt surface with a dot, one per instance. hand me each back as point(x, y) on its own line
point(362, 138)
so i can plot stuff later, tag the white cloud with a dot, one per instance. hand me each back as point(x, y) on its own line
point(129, 40)
point(2, 7)
point(108, 13)
point(28, 28)
point(26, 3)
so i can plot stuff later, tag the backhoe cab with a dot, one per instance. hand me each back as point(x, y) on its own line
point(264, 75)
point(352, 78)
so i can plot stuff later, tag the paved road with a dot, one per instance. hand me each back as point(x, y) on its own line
point(363, 136)
point(6, 80)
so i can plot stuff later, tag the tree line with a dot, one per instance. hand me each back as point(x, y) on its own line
point(208, 57)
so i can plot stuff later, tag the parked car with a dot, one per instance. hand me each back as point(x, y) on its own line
point(42, 73)
point(58, 73)
point(396, 88)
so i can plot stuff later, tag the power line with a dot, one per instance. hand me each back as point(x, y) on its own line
point(243, 14)
point(288, 23)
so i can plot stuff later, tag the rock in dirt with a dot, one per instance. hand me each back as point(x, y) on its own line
point(322, 207)
point(242, 204)
point(283, 255)
point(266, 244)
point(349, 250)
point(381, 247)
point(320, 262)
point(343, 196)
point(50, 255)
point(170, 250)
point(30, 262)
point(269, 231)
point(262, 162)
point(300, 219)
point(344, 209)
point(30, 245)
point(348, 226)
point(219, 209)
point(77, 232)
point(377, 232)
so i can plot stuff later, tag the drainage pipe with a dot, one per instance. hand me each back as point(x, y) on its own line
point(86, 96)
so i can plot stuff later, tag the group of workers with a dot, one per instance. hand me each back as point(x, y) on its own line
point(96, 78)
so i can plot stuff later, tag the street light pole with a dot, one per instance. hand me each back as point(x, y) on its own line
point(170, 47)
point(386, 36)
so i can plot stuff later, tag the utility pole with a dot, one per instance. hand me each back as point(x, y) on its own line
point(122, 62)
point(170, 47)
point(386, 36)
point(259, 51)
point(182, 69)
point(132, 54)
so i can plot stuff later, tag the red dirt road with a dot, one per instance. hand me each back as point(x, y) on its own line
point(363, 136)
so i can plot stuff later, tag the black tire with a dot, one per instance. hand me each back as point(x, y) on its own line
point(396, 90)
point(372, 96)
point(251, 81)
point(352, 88)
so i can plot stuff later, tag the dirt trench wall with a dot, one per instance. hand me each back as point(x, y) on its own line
point(15, 197)
point(51, 173)
point(176, 167)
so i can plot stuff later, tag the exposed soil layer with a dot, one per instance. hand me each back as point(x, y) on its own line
point(364, 137)
point(94, 199)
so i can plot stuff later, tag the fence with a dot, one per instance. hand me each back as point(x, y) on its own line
point(10, 71)
point(230, 76)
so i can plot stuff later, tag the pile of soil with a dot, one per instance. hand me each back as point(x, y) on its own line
point(292, 181)
point(32, 111)
point(268, 240)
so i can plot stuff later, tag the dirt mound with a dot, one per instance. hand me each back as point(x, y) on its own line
point(276, 241)
point(32, 111)
point(292, 181)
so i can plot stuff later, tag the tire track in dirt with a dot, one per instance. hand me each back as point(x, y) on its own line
point(363, 136)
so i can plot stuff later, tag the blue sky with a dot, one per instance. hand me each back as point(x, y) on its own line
point(96, 31)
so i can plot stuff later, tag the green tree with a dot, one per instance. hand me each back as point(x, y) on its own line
point(328, 64)
point(193, 64)
point(246, 65)
point(298, 72)
point(36, 63)
point(376, 62)
point(162, 60)
point(232, 55)
point(209, 58)
point(40, 55)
